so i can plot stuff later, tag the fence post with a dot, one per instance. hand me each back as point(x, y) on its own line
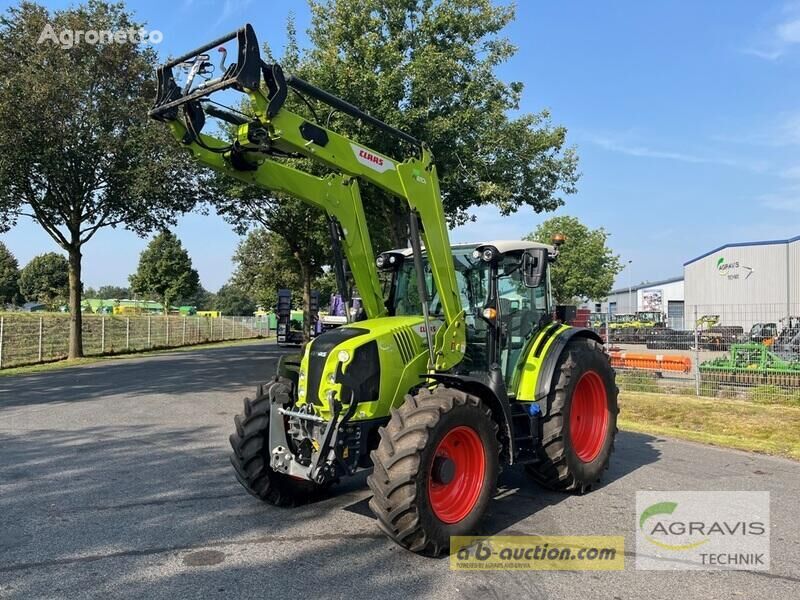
point(1, 341)
point(127, 333)
point(197, 336)
point(148, 330)
point(167, 331)
point(103, 334)
point(41, 327)
point(183, 338)
point(211, 333)
point(696, 355)
point(222, 335)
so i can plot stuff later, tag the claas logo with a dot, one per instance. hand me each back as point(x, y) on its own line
point(371, 157)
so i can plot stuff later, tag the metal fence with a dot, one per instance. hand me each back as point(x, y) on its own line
point(724, 351)
point(30, 338)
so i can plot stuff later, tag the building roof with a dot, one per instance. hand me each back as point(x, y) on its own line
point(645, 285)
point(741, 244)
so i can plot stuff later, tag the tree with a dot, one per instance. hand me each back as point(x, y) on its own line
point(77, 150)
point(45, 279)
point(263, 264)
point(586, 266)
point(165, 271)
point(9, 276)
point(233, 301)
point(202, 299)
point(429, 68)
point(113, 291)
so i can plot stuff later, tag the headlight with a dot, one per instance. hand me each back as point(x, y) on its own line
point(488, 255)
point(301, 391)
point(476, 254)
point(343, 356)
point(392, 260)
point(379, 261)
point(302, 375)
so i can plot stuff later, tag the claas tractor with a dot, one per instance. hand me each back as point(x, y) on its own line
point(458, 370)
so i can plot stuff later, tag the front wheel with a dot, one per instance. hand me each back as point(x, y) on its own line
point(580, 423)
point(435, 469)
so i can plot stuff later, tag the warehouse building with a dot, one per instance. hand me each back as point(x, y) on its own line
point(665, 296)
point(745, 283)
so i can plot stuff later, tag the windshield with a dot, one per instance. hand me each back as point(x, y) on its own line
point(520, 308)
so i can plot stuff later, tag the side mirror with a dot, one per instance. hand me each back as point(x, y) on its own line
point(534, 261)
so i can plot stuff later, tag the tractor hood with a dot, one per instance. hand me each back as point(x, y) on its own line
point(374, 357)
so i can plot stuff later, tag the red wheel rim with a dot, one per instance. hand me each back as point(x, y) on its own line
point(588, 416)
point(454, 500)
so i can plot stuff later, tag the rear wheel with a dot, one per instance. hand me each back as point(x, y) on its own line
point(251, 458)
point(435, 469)
point(581, 420)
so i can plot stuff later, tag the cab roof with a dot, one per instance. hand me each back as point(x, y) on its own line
point(503, 246)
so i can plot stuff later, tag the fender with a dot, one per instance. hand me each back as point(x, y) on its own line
point(492, 394)
point(547, 371)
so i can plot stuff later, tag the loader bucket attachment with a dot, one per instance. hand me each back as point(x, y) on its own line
point(243, 74)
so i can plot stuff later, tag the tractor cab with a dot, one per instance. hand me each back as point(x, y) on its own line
point(502, 311)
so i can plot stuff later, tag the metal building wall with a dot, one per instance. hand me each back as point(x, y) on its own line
point(745, 284)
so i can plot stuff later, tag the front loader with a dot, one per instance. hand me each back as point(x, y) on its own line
point(458, 369)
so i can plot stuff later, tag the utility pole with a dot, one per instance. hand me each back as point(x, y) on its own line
point(630, 287)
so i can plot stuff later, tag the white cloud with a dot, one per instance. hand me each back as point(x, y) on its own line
point(632, 149)
point(775, 41)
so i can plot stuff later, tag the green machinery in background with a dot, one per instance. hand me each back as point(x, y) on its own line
point(458, 369)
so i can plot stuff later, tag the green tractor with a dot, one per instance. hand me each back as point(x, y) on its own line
point(459, 369)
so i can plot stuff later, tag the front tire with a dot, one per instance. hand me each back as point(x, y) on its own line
point(251, 459)
point(435, 469)
point(580, 425)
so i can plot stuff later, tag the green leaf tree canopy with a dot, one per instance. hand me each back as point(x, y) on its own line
point(586, 266)
point(45, 279)
point(77, 150)
point(9, 276)
point(165, 271)
point(429, 67)
point(233, 301)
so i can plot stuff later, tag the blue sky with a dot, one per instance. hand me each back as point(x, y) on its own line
point(685, 115)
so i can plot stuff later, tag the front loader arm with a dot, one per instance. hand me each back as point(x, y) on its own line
point(273, 130)
point(337, 195)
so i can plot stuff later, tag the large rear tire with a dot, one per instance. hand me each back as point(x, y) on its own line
point(250, 457)
point(435, 469)
point(580, 425)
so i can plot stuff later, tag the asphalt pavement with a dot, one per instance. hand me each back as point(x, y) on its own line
point(115, 483)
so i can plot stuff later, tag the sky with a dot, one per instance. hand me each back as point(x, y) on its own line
point(685, 116)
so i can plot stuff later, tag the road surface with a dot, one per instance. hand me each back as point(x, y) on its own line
point(115, 482)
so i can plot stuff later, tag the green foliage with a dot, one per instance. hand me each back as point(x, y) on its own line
point(430, 68)
point(264, 263)
point(45, 280)
point(77, 150)
point(113, 291)
point(9, 276)
point(233, 301)
point(202, 299)
point(586, 266)
point(165, 271)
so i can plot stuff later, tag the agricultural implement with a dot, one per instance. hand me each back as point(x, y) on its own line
point(752, 364)
point(460, 368)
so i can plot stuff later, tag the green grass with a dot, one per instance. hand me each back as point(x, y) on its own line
point(741, 424)
point(80, 362)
